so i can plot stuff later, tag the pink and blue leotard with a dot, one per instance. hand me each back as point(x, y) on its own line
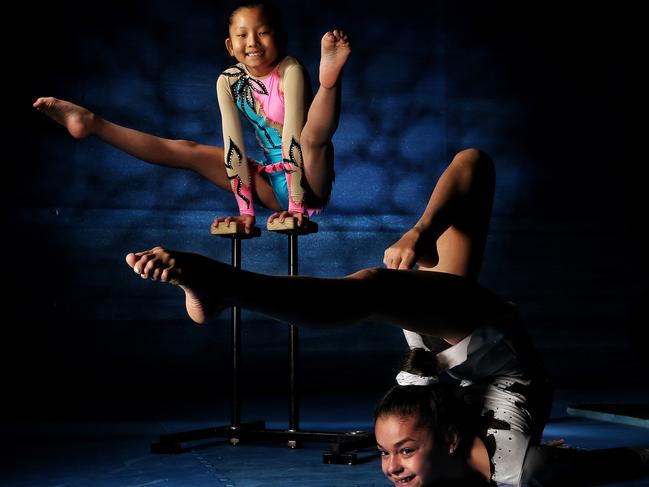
point(276, 106)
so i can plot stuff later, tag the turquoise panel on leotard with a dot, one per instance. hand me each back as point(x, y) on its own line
point(270, 140)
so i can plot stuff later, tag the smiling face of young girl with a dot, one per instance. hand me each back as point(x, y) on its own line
point(252, 40)
point(406, 449)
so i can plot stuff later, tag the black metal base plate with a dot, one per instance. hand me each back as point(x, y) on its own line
point(342, 445)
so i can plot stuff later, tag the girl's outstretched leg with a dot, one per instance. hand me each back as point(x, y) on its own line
point(79, 121)
point(323, 116)
point(439, 304)
point(205, 160)
point(334, 51)
point(199, 277)
point(451, 234)
point(463, 199)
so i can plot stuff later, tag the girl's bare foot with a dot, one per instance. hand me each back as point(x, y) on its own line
point(75, 118)
point(334, 51)
point(200, 277)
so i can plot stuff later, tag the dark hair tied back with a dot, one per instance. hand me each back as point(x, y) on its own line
point(419, 361)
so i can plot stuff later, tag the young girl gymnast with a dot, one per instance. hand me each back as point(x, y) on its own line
point(272, 92)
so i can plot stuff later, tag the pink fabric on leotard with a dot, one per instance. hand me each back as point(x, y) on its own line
point(273, 103)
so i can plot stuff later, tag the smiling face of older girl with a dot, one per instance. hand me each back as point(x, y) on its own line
point(406, 449)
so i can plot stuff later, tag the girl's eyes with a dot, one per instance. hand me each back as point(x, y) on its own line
point(262, 33)
point(404, 451)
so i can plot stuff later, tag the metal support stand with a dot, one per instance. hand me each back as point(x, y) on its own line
point(343, 446)
point(182, 441)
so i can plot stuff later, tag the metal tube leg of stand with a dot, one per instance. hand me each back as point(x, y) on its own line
point(294, 406)
point(292, 254)
point(294, 410)
point(235, 406)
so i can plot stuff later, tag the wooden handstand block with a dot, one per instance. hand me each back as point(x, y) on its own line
point(290, 226)
point(234, 229)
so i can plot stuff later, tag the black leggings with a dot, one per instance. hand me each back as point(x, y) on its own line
point(549, 466)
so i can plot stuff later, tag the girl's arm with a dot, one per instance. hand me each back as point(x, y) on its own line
point(236, 162)
point(293, 85)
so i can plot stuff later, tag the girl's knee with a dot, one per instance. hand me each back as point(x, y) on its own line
point(311, 141)
point(319, 175)
point(475, 164)
point(474, 159)
point(364, 274)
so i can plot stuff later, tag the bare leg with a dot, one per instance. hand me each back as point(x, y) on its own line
point(203, 159)
point(438, 304)
point(195, 274)
point(323, 116)
point(451, 234)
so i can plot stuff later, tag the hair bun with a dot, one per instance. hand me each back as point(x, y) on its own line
point(419, 361)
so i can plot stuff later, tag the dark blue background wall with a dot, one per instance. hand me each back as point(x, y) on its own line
point(544, 88)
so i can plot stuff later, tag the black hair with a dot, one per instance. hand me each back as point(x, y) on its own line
point(429, 404)
point(419, 361)
point(272, 14)
point(435, 406)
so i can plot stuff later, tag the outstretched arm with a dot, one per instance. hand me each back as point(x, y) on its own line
point(430, 303)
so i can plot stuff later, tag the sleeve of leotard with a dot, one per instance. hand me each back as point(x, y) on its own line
point(295, 109)
point(236, 162)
